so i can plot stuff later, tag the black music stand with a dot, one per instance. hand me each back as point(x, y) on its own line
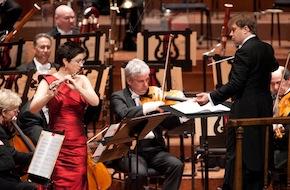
point(131, 129)
point(203, 116)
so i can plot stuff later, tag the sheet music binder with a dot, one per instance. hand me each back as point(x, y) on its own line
point(137, 128)
point(45, 156)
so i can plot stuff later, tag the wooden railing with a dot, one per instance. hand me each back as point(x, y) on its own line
point(250, 122)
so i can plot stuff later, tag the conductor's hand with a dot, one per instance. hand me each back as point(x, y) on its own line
point(151, 106)
point(202, 98)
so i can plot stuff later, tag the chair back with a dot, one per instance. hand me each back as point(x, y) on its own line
point(94, 43)
point(11, 54)
point(17, 81)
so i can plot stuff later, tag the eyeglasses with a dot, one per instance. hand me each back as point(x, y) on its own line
point(78, 61)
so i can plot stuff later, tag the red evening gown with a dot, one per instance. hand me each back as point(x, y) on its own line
point(66, 112)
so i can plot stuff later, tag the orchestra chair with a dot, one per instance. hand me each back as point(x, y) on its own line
point(14, 50)
point(94, 43)
point(17, 81)
point(150, 47)
point(186, 6)
point(98, 76)
point(220, 73)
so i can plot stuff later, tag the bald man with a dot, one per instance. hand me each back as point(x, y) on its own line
point(276, 78)
point(65, 21)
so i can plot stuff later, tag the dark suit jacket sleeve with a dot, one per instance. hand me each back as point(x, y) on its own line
point(123, 106)
point(239, 74)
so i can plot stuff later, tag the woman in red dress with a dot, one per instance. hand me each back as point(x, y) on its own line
point(66, 95)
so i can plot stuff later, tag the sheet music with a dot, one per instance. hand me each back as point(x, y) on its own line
point(45, 154)
point(110, 132)
point(191, 107)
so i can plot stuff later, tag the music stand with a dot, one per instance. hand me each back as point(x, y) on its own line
point(128, 130)
point(203, 115)
point(118, 145)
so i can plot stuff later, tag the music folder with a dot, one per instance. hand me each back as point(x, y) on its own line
point(45, 156)
point(118, 142)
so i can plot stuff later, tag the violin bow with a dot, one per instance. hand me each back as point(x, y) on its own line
point(166, 64)
point(280, 86)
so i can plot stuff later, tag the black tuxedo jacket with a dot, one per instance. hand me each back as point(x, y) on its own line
point(124, 106)
point(55, 32)
point(31, 123)
point(9, 158)
point(249, 87)
point(31, 66)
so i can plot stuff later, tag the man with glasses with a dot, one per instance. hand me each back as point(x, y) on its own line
point(249, 88)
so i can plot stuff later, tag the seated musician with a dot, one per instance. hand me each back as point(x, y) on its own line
point(65, 21)
point(40, 63)
point(280, 131)
point(33, 123)
point(151, 150)
point(9, 157)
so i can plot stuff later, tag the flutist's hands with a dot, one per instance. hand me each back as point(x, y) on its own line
point(202, 98)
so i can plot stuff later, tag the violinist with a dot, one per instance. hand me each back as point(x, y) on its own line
point(249, 88)
point(9, 157)
point(276, 79)
point(151, 151)
point(66, 95)
point(65, 21)
point(281, 131)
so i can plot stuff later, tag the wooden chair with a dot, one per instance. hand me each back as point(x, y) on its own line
point(183, 51)
point(94, 43)
point(14, 52)
point(17, 81)
point(98, 75)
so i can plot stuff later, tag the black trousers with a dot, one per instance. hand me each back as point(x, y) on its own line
point(14, 184)
point(252, 180)
point(161, 161)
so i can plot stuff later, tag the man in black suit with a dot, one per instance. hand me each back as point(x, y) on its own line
point(42, 50)
point(249, 87)
point(10, 158)
point(30, 123)
point(151, 151)
point(65, 21)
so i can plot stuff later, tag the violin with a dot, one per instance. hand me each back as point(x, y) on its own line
point(169, 97)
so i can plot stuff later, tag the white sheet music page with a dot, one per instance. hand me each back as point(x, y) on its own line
point(191, 107)
point(110, 132)
point(45, 154)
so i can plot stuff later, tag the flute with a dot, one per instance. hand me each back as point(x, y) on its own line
point(53, 85)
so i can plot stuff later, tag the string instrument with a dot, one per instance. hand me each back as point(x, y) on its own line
point(21, 142)
point(281, 107)
point(97, 174)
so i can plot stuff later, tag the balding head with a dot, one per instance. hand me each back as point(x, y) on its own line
point(276, 80)
point(64, 18)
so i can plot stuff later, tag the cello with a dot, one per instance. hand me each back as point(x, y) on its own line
point(97, 174)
